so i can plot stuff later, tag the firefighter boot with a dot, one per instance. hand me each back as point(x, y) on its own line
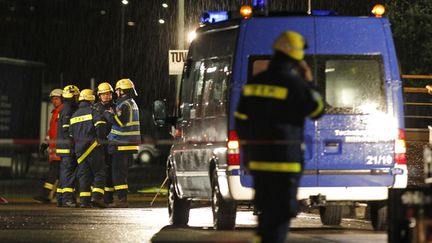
point(98, 202)
point(85, 202)
point(122, 203)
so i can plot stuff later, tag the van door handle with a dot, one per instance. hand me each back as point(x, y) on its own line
point(332, 147)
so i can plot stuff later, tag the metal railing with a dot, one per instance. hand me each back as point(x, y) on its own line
point(417, 102)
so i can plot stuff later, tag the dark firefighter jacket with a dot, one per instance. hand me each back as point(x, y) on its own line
point(64, 142)
point(86, 127)
point(270, 117)
point(125, 134)
point(101, 109)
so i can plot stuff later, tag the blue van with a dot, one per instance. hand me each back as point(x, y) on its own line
point(353, 154)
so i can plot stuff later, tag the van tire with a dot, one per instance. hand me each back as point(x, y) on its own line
point(378, 215)
point(178, 209)
point(224, 212)
point(331, 214)
point(20, 165)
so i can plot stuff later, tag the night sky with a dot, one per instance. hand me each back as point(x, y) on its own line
point(80, 39)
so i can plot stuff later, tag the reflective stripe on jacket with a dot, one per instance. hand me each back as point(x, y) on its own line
point(125, 132)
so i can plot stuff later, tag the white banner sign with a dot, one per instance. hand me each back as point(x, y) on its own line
point(176, 60)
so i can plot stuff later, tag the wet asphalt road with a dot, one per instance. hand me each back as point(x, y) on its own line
point(22, 221)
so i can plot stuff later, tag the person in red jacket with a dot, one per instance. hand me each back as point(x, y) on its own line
point(51, 179)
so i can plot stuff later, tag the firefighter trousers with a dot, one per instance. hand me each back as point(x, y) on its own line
point(50, 181)
point(276, 200)
point(68, 166)
point(109, 186)
point(92, 172)
point(120, 165)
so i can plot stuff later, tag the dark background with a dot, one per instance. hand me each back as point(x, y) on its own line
point(80, 39)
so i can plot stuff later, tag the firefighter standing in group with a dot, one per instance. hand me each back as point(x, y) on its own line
point(52, 177)
point(124, 137)
point(66, 191)
point(87, 131)
point(105, 103)
point(270, 121)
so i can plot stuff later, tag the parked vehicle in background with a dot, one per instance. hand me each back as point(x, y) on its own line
point(20, 114)
point(353, 154)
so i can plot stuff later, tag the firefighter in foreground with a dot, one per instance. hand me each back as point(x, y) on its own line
point(87, 129)
point(104, 104)
point(269, 121)
point(66, 191)
point(124, 137)
point(52, 177)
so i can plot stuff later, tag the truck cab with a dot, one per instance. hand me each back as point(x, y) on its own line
point(353, 154)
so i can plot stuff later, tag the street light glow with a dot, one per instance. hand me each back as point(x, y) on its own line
point(125, 2)
point(164, 5)
point(161, 21)
point(191, 36)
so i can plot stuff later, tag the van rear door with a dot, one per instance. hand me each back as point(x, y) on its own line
point(254, 50)
point(356, 137)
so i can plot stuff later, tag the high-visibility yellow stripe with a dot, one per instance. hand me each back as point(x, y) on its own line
point(79, 119)
point(240, 116)
point(63, 151)
point(318, 110)
point(87, 152)
point(100, 190)
point(121, 187)
point(293, 167)
point(48, 186)
point(109, 189)
point(68, 189)
point(65, 125)
point(125, 148)
point(132, 123)
point(125, 133)
point(266, 91)
point(118, 121)
point(59, 190)
point(85, 194)
point(99, 122)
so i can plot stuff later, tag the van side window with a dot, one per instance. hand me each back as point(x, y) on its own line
point(215, 92)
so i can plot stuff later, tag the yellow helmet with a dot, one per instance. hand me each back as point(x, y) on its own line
point(86, 94)
point(104, 88)
point(125, 84)
point(292, 44)
point(56, 92)
point(70, 91)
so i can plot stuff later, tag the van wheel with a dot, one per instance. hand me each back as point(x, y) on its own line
point(20, 166)
point(378, 215)
point(331, 214)
point(178, 209)
point(224, 212)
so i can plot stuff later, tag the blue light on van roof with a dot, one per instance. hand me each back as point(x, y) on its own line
point(323, 12)
point(259, 3)
point(211, 17)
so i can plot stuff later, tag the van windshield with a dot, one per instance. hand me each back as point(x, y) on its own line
point(350, 84)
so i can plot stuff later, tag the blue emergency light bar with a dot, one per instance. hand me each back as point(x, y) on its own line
point(259, 3)
point(211, 17)
point(323, 13)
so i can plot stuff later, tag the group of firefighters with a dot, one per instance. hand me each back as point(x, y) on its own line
point(91, 145)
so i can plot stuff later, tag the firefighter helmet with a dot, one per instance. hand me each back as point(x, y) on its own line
point(124, 84)
point(104, 88)
point(70, 91)
point(292, 44)
point(86, 94)
point(56, 93)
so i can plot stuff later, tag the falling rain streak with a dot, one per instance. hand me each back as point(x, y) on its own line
point(80, 40)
